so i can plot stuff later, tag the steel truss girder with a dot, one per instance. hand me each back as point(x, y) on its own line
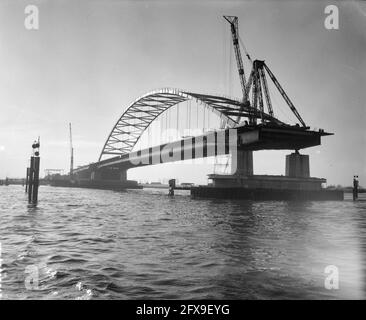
point(257, 84)
point(144, 110)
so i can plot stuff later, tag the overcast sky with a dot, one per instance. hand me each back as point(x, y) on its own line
point(90, 59)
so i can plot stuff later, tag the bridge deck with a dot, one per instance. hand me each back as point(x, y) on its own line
point(248, 137)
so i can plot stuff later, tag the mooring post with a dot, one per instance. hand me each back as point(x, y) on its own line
point(355, 188)
point(33, 176)
point(30, 180)
point(35, 180)
point(171, 187)
point(27, 180)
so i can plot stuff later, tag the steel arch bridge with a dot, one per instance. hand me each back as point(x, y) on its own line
point(144, 110)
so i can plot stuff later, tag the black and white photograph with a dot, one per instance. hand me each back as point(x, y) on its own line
point(193, 151)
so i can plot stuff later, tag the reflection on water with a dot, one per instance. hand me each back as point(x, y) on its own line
point(83, 244)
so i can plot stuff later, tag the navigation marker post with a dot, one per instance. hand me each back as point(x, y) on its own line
point(33, 174)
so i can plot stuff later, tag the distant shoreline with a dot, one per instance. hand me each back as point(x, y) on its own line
point(20, 181)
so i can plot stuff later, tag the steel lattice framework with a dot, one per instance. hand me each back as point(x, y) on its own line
point(144, 110)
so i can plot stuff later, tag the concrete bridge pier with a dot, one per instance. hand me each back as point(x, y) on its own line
point(242, 163)
point(105, 178)
point(297, 165)
point(297, 175)
point(109, 174)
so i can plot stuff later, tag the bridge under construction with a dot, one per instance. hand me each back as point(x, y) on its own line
point(246, 125)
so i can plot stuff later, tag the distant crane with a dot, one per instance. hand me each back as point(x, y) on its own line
point(71, 154)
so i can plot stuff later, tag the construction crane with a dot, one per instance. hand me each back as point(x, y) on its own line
point(71, 154)
point(239, 61)
point(257, 83)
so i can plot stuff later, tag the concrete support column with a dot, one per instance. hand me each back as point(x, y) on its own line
point(242, 164)
point(297, 165)
point(95, 175)
point(109, 174)
point(123, 175)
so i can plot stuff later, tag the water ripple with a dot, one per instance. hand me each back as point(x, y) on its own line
point(100, 244)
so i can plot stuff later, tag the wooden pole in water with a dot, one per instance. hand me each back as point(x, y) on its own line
point(33, 174)
point(355, 188)
point(171, 187)
point(30, 180)
point(27, 180)
point(35, 180)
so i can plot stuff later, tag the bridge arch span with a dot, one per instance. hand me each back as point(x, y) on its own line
point(145, 109)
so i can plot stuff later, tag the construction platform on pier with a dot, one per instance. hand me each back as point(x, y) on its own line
point(263, 187)
point(243, 184)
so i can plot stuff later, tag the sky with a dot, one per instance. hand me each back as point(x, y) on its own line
point(90, 59)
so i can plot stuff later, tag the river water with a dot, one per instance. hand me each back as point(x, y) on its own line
point(143, 244)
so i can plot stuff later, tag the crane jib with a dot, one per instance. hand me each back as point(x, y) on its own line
point(257, 82)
